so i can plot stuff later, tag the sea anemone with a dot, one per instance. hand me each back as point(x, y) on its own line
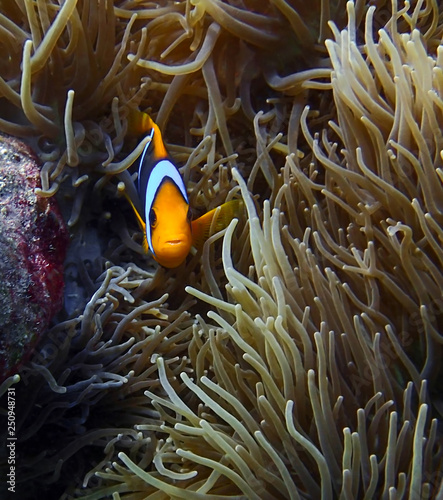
point(297, 355)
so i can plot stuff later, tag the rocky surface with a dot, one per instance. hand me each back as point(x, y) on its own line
point(33, 241)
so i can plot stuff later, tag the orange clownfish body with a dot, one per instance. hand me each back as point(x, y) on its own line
point(169, 231)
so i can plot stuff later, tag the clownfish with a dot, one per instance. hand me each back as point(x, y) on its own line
point(167, 225)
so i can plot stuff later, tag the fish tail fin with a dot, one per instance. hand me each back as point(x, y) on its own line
point(214, 221)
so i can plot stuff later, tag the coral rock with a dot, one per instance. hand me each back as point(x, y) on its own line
point(33, 241)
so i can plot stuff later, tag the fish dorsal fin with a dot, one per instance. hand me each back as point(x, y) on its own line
point(145, 166)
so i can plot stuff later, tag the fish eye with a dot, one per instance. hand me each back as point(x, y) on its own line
point(189, 215)
point(152, 217)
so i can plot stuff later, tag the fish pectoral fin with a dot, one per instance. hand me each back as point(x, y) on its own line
point(214, 221)
point(145, 243)
point(140, 221)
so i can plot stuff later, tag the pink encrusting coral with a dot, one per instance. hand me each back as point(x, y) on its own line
point(33, 240)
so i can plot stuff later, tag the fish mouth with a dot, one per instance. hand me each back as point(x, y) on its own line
point(172, 252)
point(178, 239)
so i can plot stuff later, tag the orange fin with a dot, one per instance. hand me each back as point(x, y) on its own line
point(214, 221)
point(138, 122)
point(140, 220)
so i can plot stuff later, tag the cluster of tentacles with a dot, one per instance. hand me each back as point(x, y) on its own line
point(296, 356)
